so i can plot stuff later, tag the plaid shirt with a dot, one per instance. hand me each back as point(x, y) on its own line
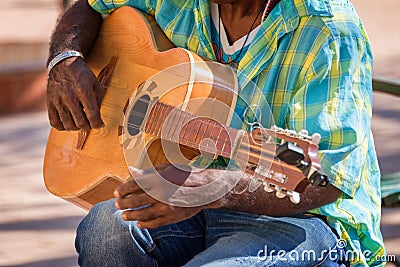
point(312, 61)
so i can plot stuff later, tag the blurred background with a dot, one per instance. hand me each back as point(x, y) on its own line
point(38, 229)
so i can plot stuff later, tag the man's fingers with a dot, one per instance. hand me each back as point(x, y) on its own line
point(66, 119)
point(149, 213)
point(77, 113)
point(72, 88)
point(54, 118)
point(156, 222)
point(131, 186)
point(80, 118)
point(126, 189)
point(145, 214)
point(134, 201)
point(92, 107)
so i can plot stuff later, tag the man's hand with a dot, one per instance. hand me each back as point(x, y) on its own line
point(150, 212)
point(72, 88)
point(135, 196)
point(72, 96)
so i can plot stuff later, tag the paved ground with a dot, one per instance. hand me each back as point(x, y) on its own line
point(37, 229)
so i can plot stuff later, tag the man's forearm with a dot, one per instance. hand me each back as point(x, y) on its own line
point(261, 202)
point(76, 30)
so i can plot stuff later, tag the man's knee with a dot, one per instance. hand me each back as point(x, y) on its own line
point(101, 234)
point(99, 224)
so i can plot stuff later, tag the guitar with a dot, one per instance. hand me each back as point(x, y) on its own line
point(163, 104)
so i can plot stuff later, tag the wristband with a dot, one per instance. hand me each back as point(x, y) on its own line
point(60, 57)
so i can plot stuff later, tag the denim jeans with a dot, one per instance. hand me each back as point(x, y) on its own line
point(214, 237)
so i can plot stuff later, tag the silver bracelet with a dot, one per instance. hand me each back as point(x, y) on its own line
point(60, 57)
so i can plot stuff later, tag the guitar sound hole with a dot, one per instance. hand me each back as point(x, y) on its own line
point(137, 114)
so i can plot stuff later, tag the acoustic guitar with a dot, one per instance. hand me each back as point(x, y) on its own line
point(163, 104)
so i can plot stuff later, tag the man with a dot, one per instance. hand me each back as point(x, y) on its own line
point(312, 62)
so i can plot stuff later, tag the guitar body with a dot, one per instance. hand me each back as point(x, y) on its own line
point(85, 170)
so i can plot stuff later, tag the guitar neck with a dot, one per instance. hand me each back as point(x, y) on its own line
point(255, 152)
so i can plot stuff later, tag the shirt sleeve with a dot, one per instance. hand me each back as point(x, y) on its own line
point(108, 6)
point(336, 102)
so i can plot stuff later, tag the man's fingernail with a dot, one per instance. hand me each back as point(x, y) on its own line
point(103, 125)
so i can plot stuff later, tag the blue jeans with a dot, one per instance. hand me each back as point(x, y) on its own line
point(211, 238)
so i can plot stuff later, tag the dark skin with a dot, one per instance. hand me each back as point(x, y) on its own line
point(131, 195)
point(73, 104)
point(72, 88)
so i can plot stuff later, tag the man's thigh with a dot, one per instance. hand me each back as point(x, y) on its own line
point(104, 239)
point(242, 239)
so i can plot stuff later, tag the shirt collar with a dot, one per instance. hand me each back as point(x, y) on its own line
point(283, 19)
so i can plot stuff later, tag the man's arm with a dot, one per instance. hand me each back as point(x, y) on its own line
point(72, 87)
point(262, 202)
point(76, 30)
point(154, 212)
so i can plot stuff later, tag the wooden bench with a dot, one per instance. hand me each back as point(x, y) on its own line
point(390, 183)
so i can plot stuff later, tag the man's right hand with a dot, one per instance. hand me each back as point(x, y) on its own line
point(73, 96)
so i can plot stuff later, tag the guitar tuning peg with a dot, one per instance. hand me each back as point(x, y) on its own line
point(291, 133)
point(290, 153)
point(269, 188)
point(303, 132)
point(294, 197)
point(280, 193)
point(315, 138)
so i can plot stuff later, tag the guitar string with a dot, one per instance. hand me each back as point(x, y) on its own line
point(136, 127)
point(266, 157)
point(261, 155)
point(227, 129)
point(280, 169)
point(190, 114)
point(264, 161)
point(208, 123)
point(271, 160)
point(186, 141)
point(195, 117)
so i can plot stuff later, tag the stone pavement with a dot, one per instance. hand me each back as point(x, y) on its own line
point(37, 229)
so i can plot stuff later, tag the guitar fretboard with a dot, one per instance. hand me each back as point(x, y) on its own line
point(181, 127)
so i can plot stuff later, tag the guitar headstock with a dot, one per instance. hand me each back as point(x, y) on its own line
point(287, 166)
